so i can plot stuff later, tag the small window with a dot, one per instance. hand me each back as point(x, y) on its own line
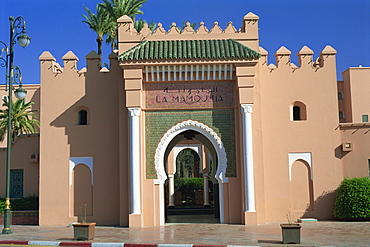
point(365, 118)
point(16, 183)
point(82, 117)
point(341, 115)
point(298, 111)
point(340, 96)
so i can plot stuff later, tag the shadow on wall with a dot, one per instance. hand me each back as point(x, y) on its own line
point(323, 207)
point(339, 153)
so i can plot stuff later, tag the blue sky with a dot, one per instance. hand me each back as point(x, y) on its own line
point(56, 26)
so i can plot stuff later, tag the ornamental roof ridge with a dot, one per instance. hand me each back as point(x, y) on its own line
point(189, 49)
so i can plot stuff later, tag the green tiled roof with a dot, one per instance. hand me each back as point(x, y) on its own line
point(189, 49)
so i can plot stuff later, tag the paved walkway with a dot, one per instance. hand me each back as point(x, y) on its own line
point(322, 233)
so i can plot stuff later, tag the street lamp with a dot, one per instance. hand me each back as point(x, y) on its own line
point(13, 75)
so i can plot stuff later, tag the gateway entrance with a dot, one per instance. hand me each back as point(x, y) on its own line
point(191, 188)
point(176, 135)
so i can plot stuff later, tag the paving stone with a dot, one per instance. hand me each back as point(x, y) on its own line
point(321, 233)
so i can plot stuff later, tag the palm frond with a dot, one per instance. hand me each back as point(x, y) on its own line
point(118, 8)
point(24, 119)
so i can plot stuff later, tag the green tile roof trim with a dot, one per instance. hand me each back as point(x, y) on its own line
point(189, 49)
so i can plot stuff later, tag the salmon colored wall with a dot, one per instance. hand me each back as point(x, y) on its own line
point(347, 97)
point(316, 87)
point(258, 152)
point(356, 161)
point(357, 81)
point(82, 192)
point(123, 155)
point(301, 187)
point(33, 95)
point(98, 93)
point(23, 147)
point(341, 102)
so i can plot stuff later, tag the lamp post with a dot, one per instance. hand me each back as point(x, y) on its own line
point(13, 74)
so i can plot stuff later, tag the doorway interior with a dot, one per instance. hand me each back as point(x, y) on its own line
point(191, 190)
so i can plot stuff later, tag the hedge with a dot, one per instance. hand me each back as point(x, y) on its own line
point(188, 186)
point(26, 203)
point(353, 199)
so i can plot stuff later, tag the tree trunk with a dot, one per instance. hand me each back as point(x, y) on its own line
point(100, 44)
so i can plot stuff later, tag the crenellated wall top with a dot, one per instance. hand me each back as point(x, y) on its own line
point(126, 28)
point(247, 34)
point(305, 58)
point(93, 61)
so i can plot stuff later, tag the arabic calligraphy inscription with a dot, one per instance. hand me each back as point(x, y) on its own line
point(189, 95)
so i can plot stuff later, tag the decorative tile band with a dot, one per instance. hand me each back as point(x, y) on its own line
point(22, 217)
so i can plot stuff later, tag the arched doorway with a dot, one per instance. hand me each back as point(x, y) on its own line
point(203, 134)
point(301, 182)
point(81, 183)
point(191, 188)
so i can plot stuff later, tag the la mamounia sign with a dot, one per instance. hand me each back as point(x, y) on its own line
point(193, 95)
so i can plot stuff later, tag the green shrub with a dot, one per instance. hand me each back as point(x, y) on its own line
point(192, 184)
point(2, 204)
point(353, 199)
point(26, 203)
point(188, 186)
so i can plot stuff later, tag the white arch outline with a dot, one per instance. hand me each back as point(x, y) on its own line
point(74, 161)
point(201, 128)
point(217, 144)
point(293, 157)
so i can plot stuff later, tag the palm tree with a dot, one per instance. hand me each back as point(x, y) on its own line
point(24, 119)
point(118, 8)
point(100, 23)
point(139, 24)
